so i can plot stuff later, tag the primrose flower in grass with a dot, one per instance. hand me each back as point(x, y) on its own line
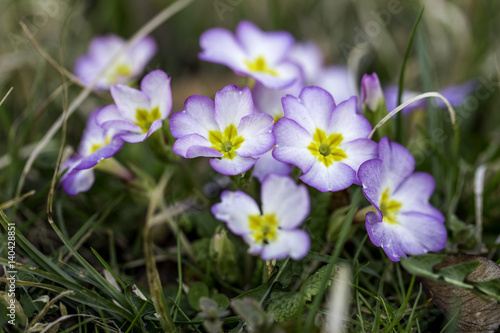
point(273, 232)
point(227, 129)
point(138, 113)
point(252, 52)
point(404, 221)
point(128, 66)
point(326, 141)
point(96, 145)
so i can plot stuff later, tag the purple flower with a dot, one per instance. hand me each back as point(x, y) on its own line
point(327, 142)
point(404, 222)
point(267, 164)
point(269, 101)
point(252, 52)
point(454, 94)
point(138, 113)
point(228, 130)
point(372, 95)
point(97, 144)
point(273, 232)
point(128, 67)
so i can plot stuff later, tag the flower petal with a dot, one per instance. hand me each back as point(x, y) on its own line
point(256, 129)
point(220, 46)
point(310, 58)
point(269, 100)
point(312, 109)
point(289, 201)
point(293, 243)
point(272, 46)
point(234, 210)
point(232, 167)
point(398, 163)
point(267, 164)
point(371, 92)
point(287, 74)
point(129, 100)
point(414, 192)
point(183, 145)
point(336, 177)
point(358, 152)
point(156, 85)
point(346, 121)
point(100, 154)
point(198, 117)
point(369, 174)
point(78, 181)
point(141, 53)
point(232, 104)
point(422, 233)
point(291, 144)
point(338, 81)
point(109, 118)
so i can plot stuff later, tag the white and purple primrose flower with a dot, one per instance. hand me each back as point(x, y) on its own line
point(128, 66)
point(324, 140)
point(226, 129)
point(273, 232)
point(96, 145)
point(252, 52)
point(138, 113)
point(404, 221)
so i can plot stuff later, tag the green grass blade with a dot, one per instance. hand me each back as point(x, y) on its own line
point(333, 259)
point(399, 117)
point(38, 257)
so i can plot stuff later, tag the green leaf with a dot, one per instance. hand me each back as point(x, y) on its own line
point(255, 293)
point(456, 274)
point(313, 283)
point(221, 300)
point(196, 291)
point(285, 305)
point(423, 265)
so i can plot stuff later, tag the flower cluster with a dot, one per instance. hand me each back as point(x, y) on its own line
point(297, 113)
point(135, 115)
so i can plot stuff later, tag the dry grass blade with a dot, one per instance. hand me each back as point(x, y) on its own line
point(47, 306)
point(478, 198)
point(15, 201)
point(6, 95)
point(143, 32)
point(339, 300)
point(153, 276)
point(414, 99)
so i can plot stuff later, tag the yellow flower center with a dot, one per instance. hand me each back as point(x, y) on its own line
point(389, 208)
point(226, 143)
point(326, 148)
point(97, 146)
point(144, 118)
point(260, 65)
point(264, 228)
point(122, 70)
